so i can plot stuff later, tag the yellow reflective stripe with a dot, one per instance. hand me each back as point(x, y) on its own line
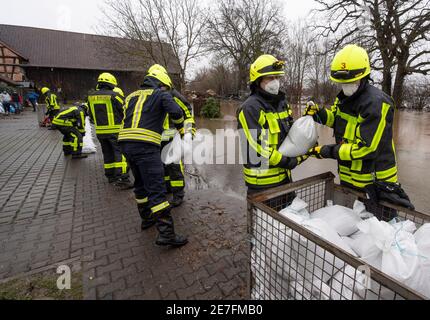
point(142, 131)
point(381, 175)
point(345, 152)
point(142, 201)
point(160, 207)
point(74, 144)
point(353, 182)
point(139, 137)
point(177, 184)
point(262, 119)
point(275, 158)
point(357, 165)
point(183, 107)
point(352, 121)
point(272, 120)
point(265, 152)
point(66, 143)
point(358, 176)
point(166, 178)
point(166, 124)
point(111, 119)
point(364, 151)
point(62, 123)
point(120, 100)
point(330, 118)
point(263, 172)
point(143, 95)
point(178, 121)
point(265, 181)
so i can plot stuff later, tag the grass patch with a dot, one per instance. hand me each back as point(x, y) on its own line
point(41, 287)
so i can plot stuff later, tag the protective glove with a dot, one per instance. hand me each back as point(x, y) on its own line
point(325, 152)
point(311, 109)
point(292, 163)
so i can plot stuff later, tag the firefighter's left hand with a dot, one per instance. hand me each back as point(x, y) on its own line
point(324, 152)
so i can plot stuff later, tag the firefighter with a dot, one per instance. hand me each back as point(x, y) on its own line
point(71, 123)
point(140, 141)
point(264, 121)
point(362, 119)
point(174, 173)
point(52, 106)
point(106, 105)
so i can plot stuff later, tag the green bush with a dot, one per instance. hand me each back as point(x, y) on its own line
point(211, 109)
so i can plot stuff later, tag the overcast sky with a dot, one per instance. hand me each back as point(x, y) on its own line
point(84, 15)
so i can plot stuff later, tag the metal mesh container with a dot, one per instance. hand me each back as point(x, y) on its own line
point(289, 262)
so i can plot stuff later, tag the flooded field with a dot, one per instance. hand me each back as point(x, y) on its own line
point(412, 138)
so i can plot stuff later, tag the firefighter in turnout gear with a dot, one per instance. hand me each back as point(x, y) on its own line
point(264, 121)
point(52, 106)
point(140, 140)
point(71, 123)
point(106, 105)
point(362, 119)
point(174, 173)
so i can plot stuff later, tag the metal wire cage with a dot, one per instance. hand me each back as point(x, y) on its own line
point(289, 262)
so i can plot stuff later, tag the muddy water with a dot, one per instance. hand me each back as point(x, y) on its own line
point(412, 137)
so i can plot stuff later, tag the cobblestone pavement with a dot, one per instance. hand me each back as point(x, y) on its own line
point(55, 210)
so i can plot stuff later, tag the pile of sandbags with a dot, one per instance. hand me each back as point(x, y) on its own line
point(292, 261)
point(89, 145)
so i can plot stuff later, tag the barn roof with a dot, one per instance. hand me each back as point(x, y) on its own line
point(62, 49)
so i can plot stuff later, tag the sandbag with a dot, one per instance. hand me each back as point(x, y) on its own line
point(396, 252)
point(89, 145)
point(1, 109)
point(422, 281)
point(342, 219)
point(303, 136)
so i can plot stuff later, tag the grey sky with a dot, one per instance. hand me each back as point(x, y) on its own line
point(84, 15)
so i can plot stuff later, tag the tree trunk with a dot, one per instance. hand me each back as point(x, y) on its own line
point(387, 80)
point(398, 89)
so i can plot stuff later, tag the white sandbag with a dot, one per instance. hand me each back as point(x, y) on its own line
point(89, 145)
point(303, 136)
point(309, 290)
point(172, 153)
point(422, 281)
point(1, 108)
point(343, 220)
point(349, 284)
point(297, 211)
point(396, 254)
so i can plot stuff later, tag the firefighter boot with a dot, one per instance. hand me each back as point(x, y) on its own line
point(123, 183)
point(147, 220)
point(178, 199)
point(79, 156)
point(166, 230)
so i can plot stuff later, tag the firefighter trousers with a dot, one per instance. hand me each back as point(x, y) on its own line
point(148, 171)
point(115, 164)
point(72, 140)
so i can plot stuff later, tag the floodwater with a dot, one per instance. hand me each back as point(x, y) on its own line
point(412, 138)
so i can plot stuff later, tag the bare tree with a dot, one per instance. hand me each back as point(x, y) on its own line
point(396, 33)
point(297, 56)
point(321, 88)
point(166, 31)
point(242, 30)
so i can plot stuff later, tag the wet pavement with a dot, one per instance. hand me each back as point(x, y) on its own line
point(57, 211)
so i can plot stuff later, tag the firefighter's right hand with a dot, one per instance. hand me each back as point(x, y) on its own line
point(311, 109)
point(292, 163)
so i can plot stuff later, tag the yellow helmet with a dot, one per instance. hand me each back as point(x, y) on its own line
point(160, 75)
point(350, 64)
point(44, 90)
point(157, 67)
point(266, 65)
point(107, 78)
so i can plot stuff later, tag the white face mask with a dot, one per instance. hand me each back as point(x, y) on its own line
point(273, 86)
point(350, 88)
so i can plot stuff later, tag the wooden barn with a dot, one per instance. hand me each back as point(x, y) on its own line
point(69, 63)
